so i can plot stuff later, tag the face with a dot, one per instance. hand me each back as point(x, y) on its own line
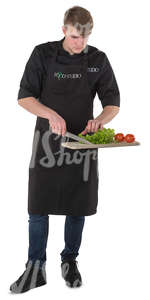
point(74, 42)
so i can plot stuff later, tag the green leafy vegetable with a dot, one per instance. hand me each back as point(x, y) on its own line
point(104, 136)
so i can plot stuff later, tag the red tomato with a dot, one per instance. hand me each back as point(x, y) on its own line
point(119, 137)
point(129, 138)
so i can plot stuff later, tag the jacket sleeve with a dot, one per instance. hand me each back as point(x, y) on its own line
point(106, 86)
point(31, 81)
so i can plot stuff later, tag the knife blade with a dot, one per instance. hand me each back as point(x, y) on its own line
point(77, 138)
point(74, 137)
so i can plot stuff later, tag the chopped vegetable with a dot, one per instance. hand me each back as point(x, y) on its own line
point(103, 136)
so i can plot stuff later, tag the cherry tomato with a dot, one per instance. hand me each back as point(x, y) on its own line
point(119, 137)
point(129, 138)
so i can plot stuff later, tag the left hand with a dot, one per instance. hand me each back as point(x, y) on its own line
point(92, 126)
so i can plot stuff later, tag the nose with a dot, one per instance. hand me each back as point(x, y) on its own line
point(80, 44)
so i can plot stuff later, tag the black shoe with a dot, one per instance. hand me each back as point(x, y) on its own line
point(70, 273)
point(31, 278)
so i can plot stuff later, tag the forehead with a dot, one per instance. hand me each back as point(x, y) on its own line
point(77, 30)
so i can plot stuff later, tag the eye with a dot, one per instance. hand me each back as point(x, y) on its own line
point(74, 37)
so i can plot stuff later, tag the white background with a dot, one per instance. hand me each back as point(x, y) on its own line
point(114, 258)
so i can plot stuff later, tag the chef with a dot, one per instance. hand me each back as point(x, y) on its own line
point(59, 84)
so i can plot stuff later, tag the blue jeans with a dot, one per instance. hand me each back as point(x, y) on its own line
point(38, 235)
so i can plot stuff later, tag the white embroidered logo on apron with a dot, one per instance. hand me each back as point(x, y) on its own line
point(61, 75)
point(93, 69)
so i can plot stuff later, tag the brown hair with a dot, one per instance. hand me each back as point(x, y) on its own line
point(80, 18)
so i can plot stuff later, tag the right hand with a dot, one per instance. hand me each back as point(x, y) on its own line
point(57, 124)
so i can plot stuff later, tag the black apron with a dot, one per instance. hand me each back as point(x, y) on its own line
point(64, 181)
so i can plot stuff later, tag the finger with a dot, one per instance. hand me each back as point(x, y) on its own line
point(89, 126)
point(101, 126)
point(96, 126)
point(84, 131)
point(63, 131)
point(59, 131)
point(93, 126)
point(54, 129)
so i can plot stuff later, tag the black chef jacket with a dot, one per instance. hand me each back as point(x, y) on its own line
point(101, 76)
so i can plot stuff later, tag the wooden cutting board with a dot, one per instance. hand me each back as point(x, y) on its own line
point(77, 145)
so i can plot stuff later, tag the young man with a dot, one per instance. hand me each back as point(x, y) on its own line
point(59, 84)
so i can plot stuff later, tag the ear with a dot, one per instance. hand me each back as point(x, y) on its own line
point(64, 29)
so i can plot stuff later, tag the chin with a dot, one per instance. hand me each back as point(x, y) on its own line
point(78, 50)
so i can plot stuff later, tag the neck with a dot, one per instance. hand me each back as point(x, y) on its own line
point(67, 48)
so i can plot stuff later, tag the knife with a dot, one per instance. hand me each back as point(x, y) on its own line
point(74, 137)
point(77, 138)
